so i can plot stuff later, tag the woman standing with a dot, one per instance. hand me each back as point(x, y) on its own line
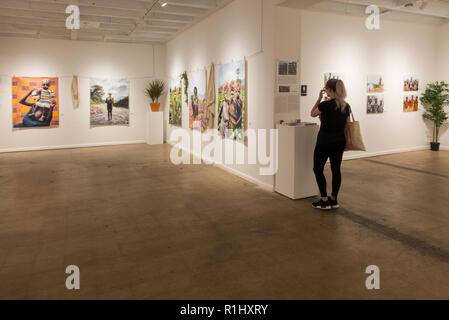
point(331, 141)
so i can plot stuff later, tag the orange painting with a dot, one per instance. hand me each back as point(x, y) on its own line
point(35, 102)
point(410, 103)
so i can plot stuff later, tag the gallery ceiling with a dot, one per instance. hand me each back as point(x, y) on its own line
point(130, 21)
point(425, 11)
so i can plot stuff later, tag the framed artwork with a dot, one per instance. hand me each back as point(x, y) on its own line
point(375, 104)
point(175, 106)
point(411, 83)
point(197, 99)
point(374, 83)
point(35, 102)
point(232, 100)
point(410, 103)
point(332, 75)
point(109, 102)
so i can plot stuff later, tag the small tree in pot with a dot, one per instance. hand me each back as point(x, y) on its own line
point(434, 99)
point(154, 91)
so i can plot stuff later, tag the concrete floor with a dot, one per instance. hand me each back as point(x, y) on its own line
point(139, 227)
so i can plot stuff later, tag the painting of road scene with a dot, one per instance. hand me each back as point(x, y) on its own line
point(109, 102)
point(232, 108)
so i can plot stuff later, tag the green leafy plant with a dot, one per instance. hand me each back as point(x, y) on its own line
point(434, 99)
point(96, 94)
point(185, 80)
point(155, 89)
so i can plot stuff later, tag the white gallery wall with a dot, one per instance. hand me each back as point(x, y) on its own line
point(244, 28)
point(59, 58)
point(443, 72)
point(337, 43)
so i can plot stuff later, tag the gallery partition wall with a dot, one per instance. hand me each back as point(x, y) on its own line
point(120, 69)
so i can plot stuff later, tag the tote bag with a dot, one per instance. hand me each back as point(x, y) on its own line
point(354, 140)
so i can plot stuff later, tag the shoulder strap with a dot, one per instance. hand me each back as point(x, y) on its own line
point(351, 115)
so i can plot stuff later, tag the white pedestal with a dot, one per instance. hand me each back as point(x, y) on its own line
point(155, 128)
point(295, 178)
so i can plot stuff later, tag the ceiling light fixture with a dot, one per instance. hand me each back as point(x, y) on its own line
point(164, 4)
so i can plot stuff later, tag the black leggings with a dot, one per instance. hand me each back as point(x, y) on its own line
point(320, 156)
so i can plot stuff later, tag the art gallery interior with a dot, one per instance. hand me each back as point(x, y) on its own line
point(107, 197)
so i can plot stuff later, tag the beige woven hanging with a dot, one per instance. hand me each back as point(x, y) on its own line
point(75, 93)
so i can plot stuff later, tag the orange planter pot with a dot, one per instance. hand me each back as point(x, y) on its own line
point(155, 106)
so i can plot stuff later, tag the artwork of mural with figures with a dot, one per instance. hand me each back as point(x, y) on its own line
point(109, 102)
point(232, 106)
point(175, 107)
point(197, 99)
point(35, 102)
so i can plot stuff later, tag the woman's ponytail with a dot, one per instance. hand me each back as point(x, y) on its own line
point(338, 87)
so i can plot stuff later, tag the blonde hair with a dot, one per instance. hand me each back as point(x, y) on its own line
point(338, 87)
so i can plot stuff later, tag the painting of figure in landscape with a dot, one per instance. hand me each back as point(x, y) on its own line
point(109, 102)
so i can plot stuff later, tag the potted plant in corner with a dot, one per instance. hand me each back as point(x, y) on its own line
point(434, 99)
point(154, 91)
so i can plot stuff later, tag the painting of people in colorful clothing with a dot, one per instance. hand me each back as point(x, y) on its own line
point(197, 99)
point(232, 108)
point(175, 108)
point(35, 102)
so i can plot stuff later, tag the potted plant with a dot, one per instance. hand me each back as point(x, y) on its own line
point(154, 91)
point(434, 99)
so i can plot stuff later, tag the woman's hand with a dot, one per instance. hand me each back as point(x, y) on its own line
point(315, 111)
point(321, 95)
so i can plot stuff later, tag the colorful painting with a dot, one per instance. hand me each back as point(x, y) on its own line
point(411, 103)
point(175, 107)
point(35, 102)
point(375, 104)
point(374, 83)
point(332, 75)
point(411, 83)
point(232, 104)
point(109, 102)
point(197, 99)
